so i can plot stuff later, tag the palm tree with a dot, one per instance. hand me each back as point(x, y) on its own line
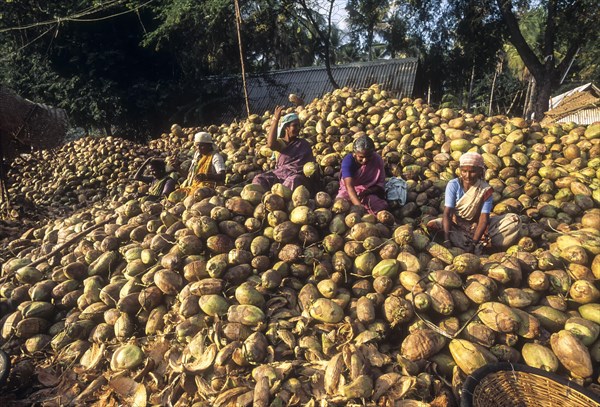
point(364, 16)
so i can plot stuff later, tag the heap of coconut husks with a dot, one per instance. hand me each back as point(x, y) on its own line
point(240, 296)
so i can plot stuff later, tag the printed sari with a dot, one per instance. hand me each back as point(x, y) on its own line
point(369, 175)
point(201, 164)
point(288, 170)
point(157, 186)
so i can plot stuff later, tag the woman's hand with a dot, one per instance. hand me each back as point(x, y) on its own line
point(354, 198)
point(200, 177)
point(272, 134)
point(277, 112)
point(363, 193)
point(374, 190)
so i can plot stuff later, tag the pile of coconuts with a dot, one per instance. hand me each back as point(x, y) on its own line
point(241, 296)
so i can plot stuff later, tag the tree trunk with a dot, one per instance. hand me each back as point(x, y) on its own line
point(532, 94)
point(492, 93)
point(527, 98)
point(328, 67)
point(370, 42)
point(517, 96)
point(541, 99)
point(547, 73)
point(429, 93)
point(325, 37)
point(238, 23)
point(470, 94)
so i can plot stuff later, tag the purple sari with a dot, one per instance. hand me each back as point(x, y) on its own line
point(288, 170)
point(369, 175)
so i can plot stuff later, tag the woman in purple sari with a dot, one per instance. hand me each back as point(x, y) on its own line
point(362, 178)
point(294, 152)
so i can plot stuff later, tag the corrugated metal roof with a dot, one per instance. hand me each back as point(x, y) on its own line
point(584, 117)
point(397, 76)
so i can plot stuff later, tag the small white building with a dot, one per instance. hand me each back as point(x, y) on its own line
point(580, 105)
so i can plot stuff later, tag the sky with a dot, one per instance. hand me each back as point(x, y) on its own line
point(339, 13)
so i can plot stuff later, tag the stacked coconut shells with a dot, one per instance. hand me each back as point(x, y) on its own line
point(237, 295)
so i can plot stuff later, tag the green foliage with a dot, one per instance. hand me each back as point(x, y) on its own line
point(363, 18)
point(93, 69)
point(133, 68)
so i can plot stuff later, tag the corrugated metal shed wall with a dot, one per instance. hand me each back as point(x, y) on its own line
point(584, 116)
point(398, 76)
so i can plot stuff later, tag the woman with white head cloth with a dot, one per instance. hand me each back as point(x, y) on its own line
point(466, 221)
point(207, 168)
point(294, 152)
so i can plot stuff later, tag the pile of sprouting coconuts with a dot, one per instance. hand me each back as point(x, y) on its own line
point(238, 295)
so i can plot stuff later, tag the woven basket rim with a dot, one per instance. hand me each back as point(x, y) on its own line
point(466, 398)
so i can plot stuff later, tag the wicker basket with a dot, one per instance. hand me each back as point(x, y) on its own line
point(508, 385)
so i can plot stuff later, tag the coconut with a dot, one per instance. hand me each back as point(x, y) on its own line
point(364, 263)
point(126, 357)
point(466, 263)
point(572, 353)
point(470, 356)
point(584, 292)
point(325, 310)
point(422, 344)
point(539, 357)
point(300, 196)
point(302, 215)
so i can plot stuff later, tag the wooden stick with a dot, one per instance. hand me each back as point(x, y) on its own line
point(238, 22)
point(63, 245)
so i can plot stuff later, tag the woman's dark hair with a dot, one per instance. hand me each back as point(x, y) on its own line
point(363, 144)
point(158, 166)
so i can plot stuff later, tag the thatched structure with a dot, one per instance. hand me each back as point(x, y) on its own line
point(580, 105)
point(25, 124)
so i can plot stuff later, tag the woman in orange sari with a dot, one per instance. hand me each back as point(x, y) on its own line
point(207, 168)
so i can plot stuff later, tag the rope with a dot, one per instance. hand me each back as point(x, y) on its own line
point(78, 16)
point(6, 58)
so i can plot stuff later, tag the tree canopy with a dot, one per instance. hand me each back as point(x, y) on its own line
point(132, 66)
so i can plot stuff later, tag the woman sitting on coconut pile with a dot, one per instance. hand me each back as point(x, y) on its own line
point(161, 183)
point(466, 220)
point(362, 176)
point(207, 168)
point(294, 152)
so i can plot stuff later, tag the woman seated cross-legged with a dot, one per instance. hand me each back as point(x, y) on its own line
point(466, 222)
point(362, 177)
